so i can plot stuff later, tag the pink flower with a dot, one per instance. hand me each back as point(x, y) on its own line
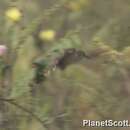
point(3, 50)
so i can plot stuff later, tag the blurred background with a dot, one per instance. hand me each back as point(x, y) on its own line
point(35, 93)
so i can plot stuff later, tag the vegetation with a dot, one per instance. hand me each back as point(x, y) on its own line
point(62, 61)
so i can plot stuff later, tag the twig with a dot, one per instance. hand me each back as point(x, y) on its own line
point(11, 101)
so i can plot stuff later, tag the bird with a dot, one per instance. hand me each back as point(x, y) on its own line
point(56, 59)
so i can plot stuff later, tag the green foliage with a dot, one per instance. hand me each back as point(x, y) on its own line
point(93, 88)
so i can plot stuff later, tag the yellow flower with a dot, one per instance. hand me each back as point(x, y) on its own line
point(13, 14)
point(47, 35)
point(74, 6)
